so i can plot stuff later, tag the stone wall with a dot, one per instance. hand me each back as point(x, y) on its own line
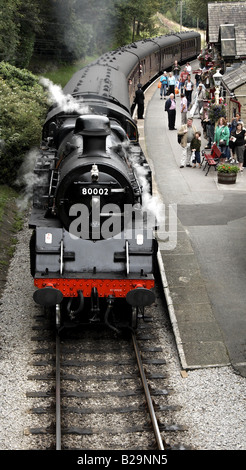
point(240, 95)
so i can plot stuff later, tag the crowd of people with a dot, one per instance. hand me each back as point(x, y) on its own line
point(230, 137)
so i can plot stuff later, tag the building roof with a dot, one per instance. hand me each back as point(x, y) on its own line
point(235, 76)
point(233, 13)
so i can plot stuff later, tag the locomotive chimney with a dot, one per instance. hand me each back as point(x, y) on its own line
point(94, 130)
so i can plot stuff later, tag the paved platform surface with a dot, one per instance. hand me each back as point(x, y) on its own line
point(204, 271)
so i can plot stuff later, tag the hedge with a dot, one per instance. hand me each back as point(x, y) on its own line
point(23, 104)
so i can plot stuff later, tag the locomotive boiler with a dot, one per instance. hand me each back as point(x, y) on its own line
point(92, 248)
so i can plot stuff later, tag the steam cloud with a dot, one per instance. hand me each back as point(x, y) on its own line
point(67, 102)
point(27, 179)
point(151, 204)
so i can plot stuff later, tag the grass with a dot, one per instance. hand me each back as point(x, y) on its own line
point(7, 198)
point(6, 194)
point(62, 74)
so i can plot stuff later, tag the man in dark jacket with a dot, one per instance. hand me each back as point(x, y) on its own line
point(170, 107)
point(139, 100)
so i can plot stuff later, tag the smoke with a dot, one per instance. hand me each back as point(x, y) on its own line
point(150, 203)
point(27, 179)
point(67, 102)
point(85, 28)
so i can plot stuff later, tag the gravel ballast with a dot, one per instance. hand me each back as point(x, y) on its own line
point(212, 400)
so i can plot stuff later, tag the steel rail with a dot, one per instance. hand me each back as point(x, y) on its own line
point(148, 396)
point(58, 395)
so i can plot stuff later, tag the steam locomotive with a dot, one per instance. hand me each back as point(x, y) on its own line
point(92, 248)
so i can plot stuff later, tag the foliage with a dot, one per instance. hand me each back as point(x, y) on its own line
point(216, 111)
point(6, 195)
point(65, 31)
point(23, 109)
point(200, 8)
point(172, 10)
point(19, 23)
point(135, 20)
point(226, 168)
point(62, 74)
point(193, 11)
point(72, 29)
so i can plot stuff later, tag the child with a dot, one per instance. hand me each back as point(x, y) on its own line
point(195, 147)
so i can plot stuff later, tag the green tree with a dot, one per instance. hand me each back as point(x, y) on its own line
point(200, 7)
point(135, 19)
point(23, 105)
point(101, 16)
point(9, 30)
point(19, 22)
point(27, 17)
point(64, 35)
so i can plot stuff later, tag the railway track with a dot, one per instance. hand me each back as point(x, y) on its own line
point(95, 390)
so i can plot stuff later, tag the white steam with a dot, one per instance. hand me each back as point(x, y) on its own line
point(27, 179)
point(67, 102)
point(150, 203)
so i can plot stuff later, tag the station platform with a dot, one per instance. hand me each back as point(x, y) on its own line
point(203, 269)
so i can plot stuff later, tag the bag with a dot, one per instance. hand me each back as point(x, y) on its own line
point(222, 143)
point(176, 91)
point(179, 138)
point(193, 157)
point(159, 85)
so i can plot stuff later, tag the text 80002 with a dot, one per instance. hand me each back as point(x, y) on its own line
point(94, 191)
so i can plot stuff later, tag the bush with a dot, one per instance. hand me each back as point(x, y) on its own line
point(23, 104)
point(224, 168)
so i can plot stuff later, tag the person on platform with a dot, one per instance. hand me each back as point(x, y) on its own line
point(235, 121)
point(176, 70)
point(239, 141)
point(187, 133)
point(198, 77)
point(188, 67)
point(221, 138)
point(183, 108)
point(201, 96)
point(188, 88)
point(164, 85)
point(139, 100)
point(182, 79)
point(170, 107)
point(171, 83)
point(196, 148)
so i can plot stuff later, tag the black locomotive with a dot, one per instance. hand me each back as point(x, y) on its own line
point(92, 249)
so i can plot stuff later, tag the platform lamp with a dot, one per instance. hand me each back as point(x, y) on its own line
point(217, 77)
